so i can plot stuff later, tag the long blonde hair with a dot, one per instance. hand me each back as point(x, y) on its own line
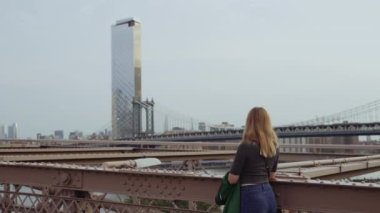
point(258, 128)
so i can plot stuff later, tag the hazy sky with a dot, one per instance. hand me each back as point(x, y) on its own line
point(212, 60)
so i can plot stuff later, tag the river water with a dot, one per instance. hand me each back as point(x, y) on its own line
point(370, 177)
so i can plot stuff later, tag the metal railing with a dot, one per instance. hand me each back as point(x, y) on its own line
point(44, 187)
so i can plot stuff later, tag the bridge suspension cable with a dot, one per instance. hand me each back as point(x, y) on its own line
point(167, 120)
point(369, 112)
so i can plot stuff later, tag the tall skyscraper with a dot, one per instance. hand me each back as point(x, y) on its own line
point(12, 131)
point(126, 77)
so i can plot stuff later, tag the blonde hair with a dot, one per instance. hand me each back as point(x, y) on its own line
point(258, 128)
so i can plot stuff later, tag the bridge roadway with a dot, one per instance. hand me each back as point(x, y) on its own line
point(300, 194)
point(342, 129)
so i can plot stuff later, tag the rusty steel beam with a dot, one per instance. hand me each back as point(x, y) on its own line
point(305, 195)
point(327, 196)
point(71, 204)
point(147, 183)
point(284, 157)
point(327, 161)
point(332, 146)
point(30, 151)
point(100, 157)
point(333, 168)
point(341, 168)
point(335, 171)
point(304, 156)
point(350, 174)
point(23, 146)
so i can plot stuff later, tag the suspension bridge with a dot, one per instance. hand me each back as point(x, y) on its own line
point(73, 176)
point(169, 121)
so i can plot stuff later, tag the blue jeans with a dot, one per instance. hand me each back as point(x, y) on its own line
point(257, 198)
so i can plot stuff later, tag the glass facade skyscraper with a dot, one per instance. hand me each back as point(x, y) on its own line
point(12, 131)
point(126, 76)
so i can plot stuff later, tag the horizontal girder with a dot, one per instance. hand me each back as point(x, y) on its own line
point(306, 195)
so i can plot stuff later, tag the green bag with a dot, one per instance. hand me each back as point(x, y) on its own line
point(229, 196)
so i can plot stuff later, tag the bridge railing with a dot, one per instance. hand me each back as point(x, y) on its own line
point(41, 187)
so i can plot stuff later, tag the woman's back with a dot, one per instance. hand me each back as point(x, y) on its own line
point(255, 163)
point(251, 165)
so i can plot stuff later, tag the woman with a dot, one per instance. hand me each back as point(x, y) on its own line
point(256, 163)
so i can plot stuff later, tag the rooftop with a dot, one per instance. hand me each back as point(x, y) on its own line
point(127, 20)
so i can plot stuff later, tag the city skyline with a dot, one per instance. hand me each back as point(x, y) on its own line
point(11, 131)
point(210, 60)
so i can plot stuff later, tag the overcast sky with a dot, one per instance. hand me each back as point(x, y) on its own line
point(212, 60)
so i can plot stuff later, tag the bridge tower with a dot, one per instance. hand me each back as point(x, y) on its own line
point(147, 107)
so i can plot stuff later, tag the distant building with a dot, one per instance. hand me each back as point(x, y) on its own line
point(44, 137)
point(3, 135)
point(58, 134)
point(101, 135)
point(176, 130)
point(202, 126)
point(39, 136)
point(76, 135)
point(12, 131)
point(126, 78)
point(223, 126)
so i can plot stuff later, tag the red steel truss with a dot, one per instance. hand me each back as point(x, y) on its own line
point(44, 187)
